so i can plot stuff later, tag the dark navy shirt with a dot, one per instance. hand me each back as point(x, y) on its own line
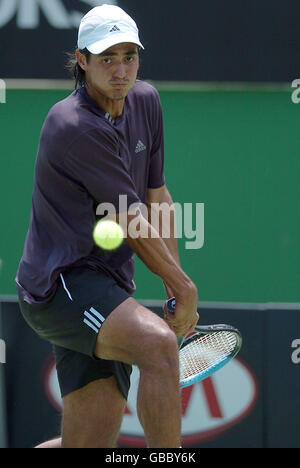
point(85, 158)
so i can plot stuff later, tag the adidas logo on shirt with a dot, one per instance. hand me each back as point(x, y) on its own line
point(115, 28)
point(140, 147)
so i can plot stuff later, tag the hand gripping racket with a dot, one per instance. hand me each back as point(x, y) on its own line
point(209, 349)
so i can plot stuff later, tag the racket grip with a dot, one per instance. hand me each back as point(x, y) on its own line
point(171, 304)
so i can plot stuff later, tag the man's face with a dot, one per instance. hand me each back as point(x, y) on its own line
point(113, 72)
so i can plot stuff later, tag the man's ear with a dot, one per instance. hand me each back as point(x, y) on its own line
point(81, 60)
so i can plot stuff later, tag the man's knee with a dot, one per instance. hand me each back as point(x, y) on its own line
point(160, 350)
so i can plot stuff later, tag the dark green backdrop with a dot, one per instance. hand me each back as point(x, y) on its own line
point(238, 152)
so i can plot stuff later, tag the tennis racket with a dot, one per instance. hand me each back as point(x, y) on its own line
point(209, 349)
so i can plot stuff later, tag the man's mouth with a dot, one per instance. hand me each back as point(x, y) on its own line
point(119, 84)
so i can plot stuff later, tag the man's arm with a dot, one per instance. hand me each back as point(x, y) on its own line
point(161, 196)
point(162, 259)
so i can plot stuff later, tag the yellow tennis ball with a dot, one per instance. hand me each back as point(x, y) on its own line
point(108, 235)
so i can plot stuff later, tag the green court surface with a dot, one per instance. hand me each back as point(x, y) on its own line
point(235, 151)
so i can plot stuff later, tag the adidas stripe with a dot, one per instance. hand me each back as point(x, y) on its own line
point(93, 319)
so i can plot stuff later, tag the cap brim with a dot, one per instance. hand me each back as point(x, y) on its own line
point(101, 46)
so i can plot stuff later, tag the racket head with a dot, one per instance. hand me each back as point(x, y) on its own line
point(206, 351)
point(209, 349)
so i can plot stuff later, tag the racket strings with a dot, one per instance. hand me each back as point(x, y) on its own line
point(205, 352)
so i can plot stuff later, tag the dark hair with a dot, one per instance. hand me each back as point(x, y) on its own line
point(75, 69)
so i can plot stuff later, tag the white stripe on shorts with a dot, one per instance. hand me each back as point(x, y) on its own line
point(95, 312)
point(87, 322)
point(65, 287)
point(91, 320)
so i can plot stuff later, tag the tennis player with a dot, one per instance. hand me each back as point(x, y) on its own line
point(103, 141)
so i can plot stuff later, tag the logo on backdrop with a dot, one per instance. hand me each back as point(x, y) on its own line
point(28, 12)
point(209, 408)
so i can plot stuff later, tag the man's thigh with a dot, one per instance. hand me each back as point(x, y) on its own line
point(132, 334)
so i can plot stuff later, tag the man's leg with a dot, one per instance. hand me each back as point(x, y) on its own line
point(92, 416)
point(135, 335)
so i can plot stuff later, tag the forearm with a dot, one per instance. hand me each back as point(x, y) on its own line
point(156, 255)
point(166, 221)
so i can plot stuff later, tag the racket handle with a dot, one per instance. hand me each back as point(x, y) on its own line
point(171, 304)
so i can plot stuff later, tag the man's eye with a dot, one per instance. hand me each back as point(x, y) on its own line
point(107, 61)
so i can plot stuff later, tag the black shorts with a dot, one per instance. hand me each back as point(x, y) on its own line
point(71, 321)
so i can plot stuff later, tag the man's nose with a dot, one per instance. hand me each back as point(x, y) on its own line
point(120, 70)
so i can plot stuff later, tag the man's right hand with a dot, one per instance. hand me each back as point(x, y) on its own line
point(185, 316)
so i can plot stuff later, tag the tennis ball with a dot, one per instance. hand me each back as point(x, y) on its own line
point(108, 235)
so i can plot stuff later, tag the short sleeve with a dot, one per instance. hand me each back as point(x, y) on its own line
point(93, 160)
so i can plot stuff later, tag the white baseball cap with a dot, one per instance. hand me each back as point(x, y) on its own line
point(105, 26)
